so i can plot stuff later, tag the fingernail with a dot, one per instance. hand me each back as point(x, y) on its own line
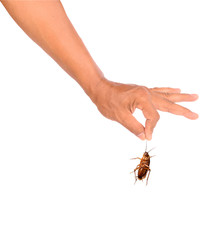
point(195, 115)
point(149, 137)
point(194, 95)
point(141, 136)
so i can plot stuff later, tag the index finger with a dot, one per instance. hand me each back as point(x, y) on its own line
point(152, 117)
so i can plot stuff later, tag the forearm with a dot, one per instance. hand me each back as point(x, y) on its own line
point(47, 24)
point(45, 21)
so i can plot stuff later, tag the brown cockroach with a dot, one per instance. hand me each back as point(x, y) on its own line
point(143, 167)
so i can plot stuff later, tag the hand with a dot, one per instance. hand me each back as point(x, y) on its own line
point(118, 102)
point(43, 21)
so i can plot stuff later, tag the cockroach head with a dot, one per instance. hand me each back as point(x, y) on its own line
point(146, 154)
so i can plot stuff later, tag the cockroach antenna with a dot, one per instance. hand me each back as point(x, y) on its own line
point(146, 147)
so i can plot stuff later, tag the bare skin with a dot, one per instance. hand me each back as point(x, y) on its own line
point(46, 23)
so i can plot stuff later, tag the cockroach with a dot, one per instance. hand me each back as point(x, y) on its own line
point(143, 167)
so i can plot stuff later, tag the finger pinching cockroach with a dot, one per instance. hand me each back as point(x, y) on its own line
point(143, 167)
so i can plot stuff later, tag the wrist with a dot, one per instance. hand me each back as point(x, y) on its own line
point(98, 89)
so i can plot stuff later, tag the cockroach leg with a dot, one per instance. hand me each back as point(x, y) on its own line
point(138, 166)
point(148, 174)
point(135, 158)
point(135, 177)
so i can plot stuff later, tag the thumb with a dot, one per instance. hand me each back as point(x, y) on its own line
point(131, 123)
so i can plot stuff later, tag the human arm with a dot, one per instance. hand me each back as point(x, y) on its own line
point(47, 24)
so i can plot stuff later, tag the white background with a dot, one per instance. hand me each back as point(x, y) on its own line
point(65, 169)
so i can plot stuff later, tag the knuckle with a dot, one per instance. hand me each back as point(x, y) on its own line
point(166, 94)
point(142, 94)
point(154, 117)
point(187, 111)
point(142, 90)
point(170, 106)
point(157, 116)
point(156, 89)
